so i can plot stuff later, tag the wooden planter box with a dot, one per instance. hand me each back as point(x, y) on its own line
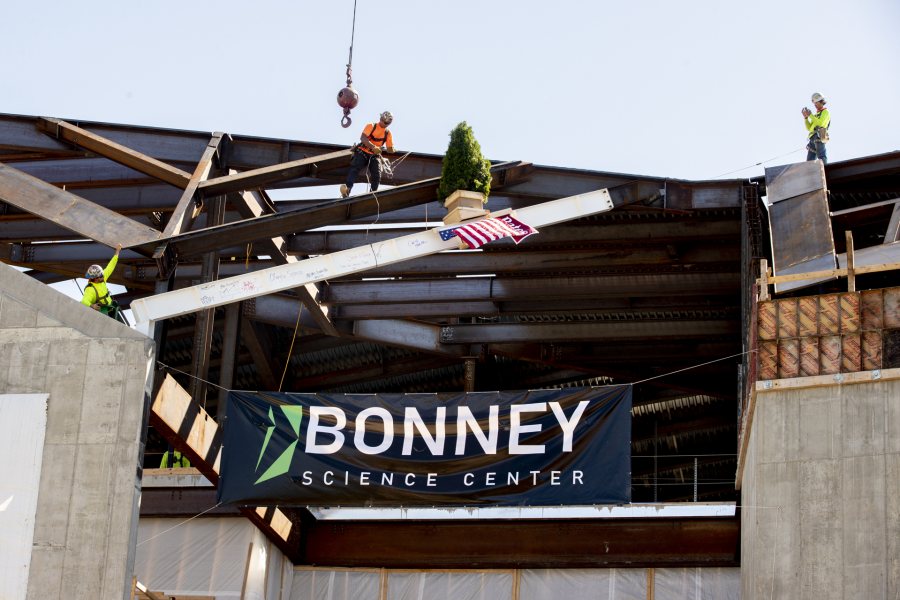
point(463, 205)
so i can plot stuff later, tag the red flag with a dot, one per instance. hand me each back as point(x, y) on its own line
point(479, 233)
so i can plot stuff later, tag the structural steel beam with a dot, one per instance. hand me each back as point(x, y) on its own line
point(614, 235)
point(252, 204)
point(180, 220)
point(584, 543)
point(258, 178)
point(423, 337)
point(115, 152)
point(502, 333)
point(68, 210)
point(334, 212)
point(570, 288)
point(329, 266)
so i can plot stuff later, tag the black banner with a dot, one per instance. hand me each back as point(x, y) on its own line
point(526, 448)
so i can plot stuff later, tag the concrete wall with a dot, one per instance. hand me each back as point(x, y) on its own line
point(96, 373)
point(821, 493)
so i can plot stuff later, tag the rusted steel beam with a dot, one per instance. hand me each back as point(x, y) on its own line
point(182, 502)
point(263, 176)
point(70, 211)
point(585, 543)
point(181, 220)
point(115, 152)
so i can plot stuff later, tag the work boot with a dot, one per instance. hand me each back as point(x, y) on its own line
point(345, 191)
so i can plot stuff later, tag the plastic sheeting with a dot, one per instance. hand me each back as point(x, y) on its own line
point(335, 584)
point(584, 584)
point(458, 585)
point(698, 584)
point(533, 584)
point(210, 557)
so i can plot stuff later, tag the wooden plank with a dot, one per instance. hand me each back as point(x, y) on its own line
point(70, 211)
point(871, 310)
point(787, 318)
point(851, 353)
point(809, 356)
point(829, 354)
point(788, 358)
point(871, 350)
point(115, 152)
point(767, 320)
point(768, 360)
point(892, 308)
point(829, 315)
point(827, 380)
point(763, 280)
point(807, 316)
point(851, 276)
point(849, 312)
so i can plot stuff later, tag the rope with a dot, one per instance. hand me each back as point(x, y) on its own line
point(180, 524)
point(693, 367)
point(165, 366)
point(759, 163)
point(297, 326)
point(287, 361)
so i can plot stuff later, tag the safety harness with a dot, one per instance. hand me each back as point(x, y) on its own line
point(372, 138)
point(101, 300)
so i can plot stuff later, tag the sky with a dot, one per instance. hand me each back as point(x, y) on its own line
point(690, 90)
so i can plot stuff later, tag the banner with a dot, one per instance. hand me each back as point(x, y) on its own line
point(524, 448)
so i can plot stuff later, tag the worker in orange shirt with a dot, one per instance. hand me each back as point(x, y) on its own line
point(374, 140)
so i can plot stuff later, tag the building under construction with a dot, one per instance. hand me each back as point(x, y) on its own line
point(756, 323)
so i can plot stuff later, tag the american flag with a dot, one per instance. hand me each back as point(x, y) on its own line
point(479, 233)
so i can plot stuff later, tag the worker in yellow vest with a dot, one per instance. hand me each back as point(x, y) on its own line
point(374, 140)
point(817, 128)
point(96, 294)
point(174, 460)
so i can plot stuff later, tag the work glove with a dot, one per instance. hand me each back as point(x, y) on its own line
point(391, 149)
point(376, 151)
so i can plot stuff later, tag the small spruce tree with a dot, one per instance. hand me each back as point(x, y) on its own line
point(464, 168)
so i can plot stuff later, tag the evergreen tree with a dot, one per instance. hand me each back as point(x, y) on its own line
point(464, 168)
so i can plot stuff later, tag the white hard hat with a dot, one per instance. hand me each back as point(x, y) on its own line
point(387, 117)
point(817, 97)
point(93, 272)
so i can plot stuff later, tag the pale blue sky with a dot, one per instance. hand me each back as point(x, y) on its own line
point(690, 89)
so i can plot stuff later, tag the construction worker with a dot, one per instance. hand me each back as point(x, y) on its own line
point(96, 295)
point(817, 129)
point(374, 139)
point(177, 460)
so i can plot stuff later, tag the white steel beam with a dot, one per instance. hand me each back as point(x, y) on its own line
point(346, 262)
